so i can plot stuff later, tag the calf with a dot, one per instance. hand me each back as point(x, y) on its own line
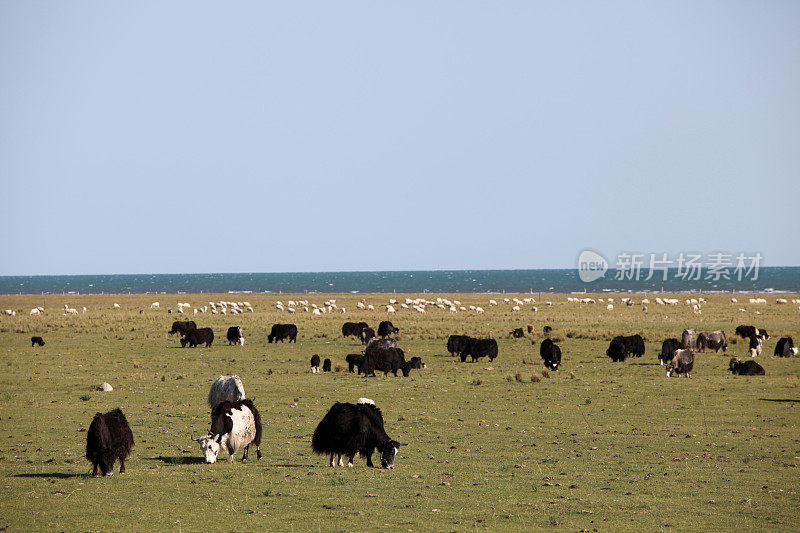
point(354, 360)
point(280, 332)
point(109, 438)
point(784, 348)
point(326, 365)
point(198, 336)
point(517, 333)
point(314, 364)
point(546, 330)
point(225, 389)
point(682, 363)
point(349, 429)
point(234, 425)
point(235, 335)
point(668, 348)
point(713, 340)
point(550, 354)
point(37, 340)
point(756, 345)
point(416, 362)
point(386, 328)
point(746, 368)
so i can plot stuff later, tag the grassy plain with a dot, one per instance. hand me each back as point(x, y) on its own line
point(500, 446)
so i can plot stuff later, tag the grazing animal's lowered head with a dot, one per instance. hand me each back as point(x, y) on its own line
point(389, 452)
point(210, 444)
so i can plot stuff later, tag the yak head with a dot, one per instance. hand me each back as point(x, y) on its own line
point(210, 444)
point(389, 452)
point(670, 368)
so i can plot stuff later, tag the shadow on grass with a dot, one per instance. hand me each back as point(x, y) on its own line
point(57, 475)
point(644, 364)
point(783, 400)
point(188, 460)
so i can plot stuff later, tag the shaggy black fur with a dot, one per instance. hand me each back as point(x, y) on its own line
point(109, 438)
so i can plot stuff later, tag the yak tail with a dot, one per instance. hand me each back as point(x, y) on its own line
point(256, 419)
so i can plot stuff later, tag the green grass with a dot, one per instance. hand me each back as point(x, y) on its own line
point(494, 445)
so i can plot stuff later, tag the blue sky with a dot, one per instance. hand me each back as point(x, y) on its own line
point(269, 137)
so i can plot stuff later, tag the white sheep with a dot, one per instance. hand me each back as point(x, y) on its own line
point(35, 311)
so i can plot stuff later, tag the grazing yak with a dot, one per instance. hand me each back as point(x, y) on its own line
point(746, 368)
point(37, 340)
point(477, 348)
point(235, 335)
point(416, 362)
point(682, 363)
point(784, 348)
point(314, 364)
point(756, 345)
point(349, 429)
point(550, 353)
point(385, 360)
point(326, 365)
point(668, 348)
point(354, 360)
point(517, 333)
point(353, 329)
point(367, 334)
point(280, 332)
point(198, 336)
point(713, 340)
point(621, 347)
point(457, 344)
point(746, 331)
point(689, 339)
point(546, 330)
point(386, 328)
point(234, 425)
point(182, 327)
point(109, 438)
point(225, 389)
point(616, 350)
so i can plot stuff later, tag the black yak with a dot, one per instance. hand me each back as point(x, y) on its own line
point(37, 340)
point(326, 365)
point(109, 438)
point(353, 328)
point(354, 360)
point(198, 336)
point(314, 364)
point(668, 348)
point(386, 328)
point(550, 354)
point(182, 327)
point(280, 332)
point(348, 429)
point(616, 350)
point(785, 347)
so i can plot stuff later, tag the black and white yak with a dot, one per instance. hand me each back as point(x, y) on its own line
point(682, 363)
point(550, 354)
point(746, 368)
point(234, 426)
point(785, 348)
point(756, 345)
point(314, 364)
point(235, 335)
point(109, 438)
point(349, 429)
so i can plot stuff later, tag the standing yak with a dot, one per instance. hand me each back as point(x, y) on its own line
point(349, 429)
point(109, 438)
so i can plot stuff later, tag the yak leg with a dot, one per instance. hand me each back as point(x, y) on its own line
point(94, 470)
point(333, 463)
point(258, 452)
point(244, 455)
point(121, 465)
point(350, 460)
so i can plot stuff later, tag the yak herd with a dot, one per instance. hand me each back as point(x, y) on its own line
point(350, 429)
